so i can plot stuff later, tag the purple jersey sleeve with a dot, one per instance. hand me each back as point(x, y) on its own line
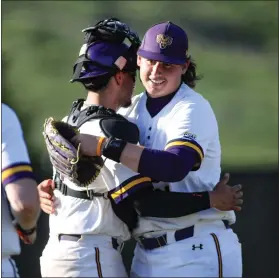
point(169, 166)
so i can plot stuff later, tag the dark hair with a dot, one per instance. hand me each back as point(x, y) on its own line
point(96, 84)
point(190, 76)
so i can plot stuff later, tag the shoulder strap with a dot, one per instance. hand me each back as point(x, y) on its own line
point(75, 111)
point(78, 117)
point(108, 117)
point(95, 112)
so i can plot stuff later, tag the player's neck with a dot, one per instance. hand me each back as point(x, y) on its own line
point(101, 99)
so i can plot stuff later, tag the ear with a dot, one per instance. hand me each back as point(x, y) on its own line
point(119, 78)
point(185, 66)
point(138, 61)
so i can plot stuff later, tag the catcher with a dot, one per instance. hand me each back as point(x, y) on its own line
point(97, 201)
point(85, 235)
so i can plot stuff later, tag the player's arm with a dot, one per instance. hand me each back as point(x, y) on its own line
point(165, 204)
point(168, 165)
point(18, 179)
point(186, 139)
point(157, 203)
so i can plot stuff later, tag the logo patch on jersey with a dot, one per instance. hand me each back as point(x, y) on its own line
point(189, 135)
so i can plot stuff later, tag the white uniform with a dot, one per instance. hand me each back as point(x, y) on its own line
point(15, 165)
point(187, 120)
point(93, 255)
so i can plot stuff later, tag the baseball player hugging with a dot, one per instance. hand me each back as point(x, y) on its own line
point(107, 165)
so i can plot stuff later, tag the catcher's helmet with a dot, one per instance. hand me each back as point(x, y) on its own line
point(165, 42)
point(105, 52)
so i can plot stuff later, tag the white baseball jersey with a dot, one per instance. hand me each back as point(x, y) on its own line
point(15, 165)
point(187, 120)
point(79, 216)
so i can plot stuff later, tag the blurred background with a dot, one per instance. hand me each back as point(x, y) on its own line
point(235, 46)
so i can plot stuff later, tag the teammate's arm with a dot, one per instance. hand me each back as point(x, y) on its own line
point(163, 204)
point(183, 151)
point(24, 202)
point(168, 166)
point(17, 177)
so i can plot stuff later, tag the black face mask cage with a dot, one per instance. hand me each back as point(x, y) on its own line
point(111, 30)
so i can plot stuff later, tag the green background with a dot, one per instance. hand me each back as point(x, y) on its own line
point(235, 45)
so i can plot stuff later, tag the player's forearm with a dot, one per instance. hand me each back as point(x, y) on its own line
point(24, 201)
point(172, 204)
point(131, 156)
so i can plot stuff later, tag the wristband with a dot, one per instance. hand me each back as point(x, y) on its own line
point(26, 232)
point(114, 148)
point(99, 146)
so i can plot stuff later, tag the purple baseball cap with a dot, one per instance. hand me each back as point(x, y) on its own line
point(106, 58)
point(165, 42)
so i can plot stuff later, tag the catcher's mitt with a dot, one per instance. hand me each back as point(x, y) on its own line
point(66, 158)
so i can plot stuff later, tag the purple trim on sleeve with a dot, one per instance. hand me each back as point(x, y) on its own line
point(169, 166)
point(17, 164)
point(17, 176)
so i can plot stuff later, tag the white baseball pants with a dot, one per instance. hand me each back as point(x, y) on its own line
point(90, 256)
point(213, 251)
point(8, 268)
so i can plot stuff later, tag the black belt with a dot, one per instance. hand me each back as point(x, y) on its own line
point(75, 238)
point(85, 194)
point(156, 242)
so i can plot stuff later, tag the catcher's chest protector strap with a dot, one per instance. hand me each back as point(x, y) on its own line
point(67, 191)
point(112, 125)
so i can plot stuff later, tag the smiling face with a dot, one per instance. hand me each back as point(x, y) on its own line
point(158, 78)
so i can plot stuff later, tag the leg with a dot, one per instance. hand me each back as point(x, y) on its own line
point(211, 255)
point(9, 268)
point(229, 255)
point(75, 259)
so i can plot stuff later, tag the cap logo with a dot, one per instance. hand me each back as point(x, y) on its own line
point(164, 40)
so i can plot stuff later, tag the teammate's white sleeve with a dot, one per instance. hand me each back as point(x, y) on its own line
point(193, 126)
point(15, 159)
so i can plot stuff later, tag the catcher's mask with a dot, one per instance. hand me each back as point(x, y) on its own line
point(104, 51)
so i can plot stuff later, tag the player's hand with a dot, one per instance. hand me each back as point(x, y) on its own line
point(88, 143)
point(225, 197)
point(45, 189)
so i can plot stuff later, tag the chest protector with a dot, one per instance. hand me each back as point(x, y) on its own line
point(111, 124)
